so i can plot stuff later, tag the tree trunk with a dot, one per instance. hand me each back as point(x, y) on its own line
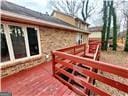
point(85, 9)
point(114, 30)
point(126, 42)
point(109, 24)
point(105, 25)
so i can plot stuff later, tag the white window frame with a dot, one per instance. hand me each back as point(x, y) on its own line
point(78, 37)
point(38, 38)
point(9, 41)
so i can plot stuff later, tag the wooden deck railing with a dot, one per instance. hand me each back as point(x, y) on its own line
point(75, 72)
point(75, 50)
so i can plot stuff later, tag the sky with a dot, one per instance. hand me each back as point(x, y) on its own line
point(37, 5)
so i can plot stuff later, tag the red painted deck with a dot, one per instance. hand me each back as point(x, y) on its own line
point(37, 81)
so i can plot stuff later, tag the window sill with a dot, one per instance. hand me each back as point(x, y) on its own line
point(18, 61)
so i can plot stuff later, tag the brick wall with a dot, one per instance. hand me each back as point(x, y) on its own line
point(17, 66)
point(51, 39)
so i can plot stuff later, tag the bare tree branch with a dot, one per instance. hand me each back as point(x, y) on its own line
point(87, 9)
point(70, 7)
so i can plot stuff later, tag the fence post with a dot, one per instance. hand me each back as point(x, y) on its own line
point(53, 63)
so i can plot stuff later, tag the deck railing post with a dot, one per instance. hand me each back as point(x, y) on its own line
point(84, 49)
point(53, 63)
point(74, 50)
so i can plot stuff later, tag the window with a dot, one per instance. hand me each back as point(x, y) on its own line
point(18, 42)
point(33, 41)
point(78, 24)
point(22, 42)
point(79, 38)
point(4, 47)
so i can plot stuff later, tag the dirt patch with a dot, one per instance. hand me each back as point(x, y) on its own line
point(118, 58)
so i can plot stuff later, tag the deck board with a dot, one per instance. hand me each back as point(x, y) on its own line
point(37, 81)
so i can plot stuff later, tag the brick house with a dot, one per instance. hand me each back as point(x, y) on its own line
point(28, 37)
point(95, 33)
point(72, 20)
point(75, 21)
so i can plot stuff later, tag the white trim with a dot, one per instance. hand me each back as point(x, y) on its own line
point(39, 40)
point(26, 41)
point(38, 21)
point(9, 43)
point(10, 46)
point(78, 38)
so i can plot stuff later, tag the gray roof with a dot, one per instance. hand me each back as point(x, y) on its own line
point(11, 7)
point(75, 17)
point(95, 29)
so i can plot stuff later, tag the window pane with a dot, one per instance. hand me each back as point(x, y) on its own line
point(4, 47)
point(33, 41)
point(18, 42)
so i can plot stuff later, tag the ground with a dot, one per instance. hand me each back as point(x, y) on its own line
point(118, 58)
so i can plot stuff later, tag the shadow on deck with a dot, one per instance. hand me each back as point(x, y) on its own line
point(37, 81)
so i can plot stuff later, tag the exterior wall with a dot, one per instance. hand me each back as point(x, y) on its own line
point(84, 27)
point(15, 67)
point(70, 20)
point(95, 35)
point(85, 38)
point(80, 25)
point(51, 39)
point(64, 18)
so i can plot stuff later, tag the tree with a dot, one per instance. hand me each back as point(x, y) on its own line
point(70, 7)
point(114, 29)
point(105, 24)
point(109, 12)
point(87, 9)
point(126, 42)
point(110, 5)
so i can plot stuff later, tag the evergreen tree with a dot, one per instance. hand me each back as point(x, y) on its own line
point(114, 29)
point(104, 25)
point(126, 42)
point(110, 5)
point(126, 17)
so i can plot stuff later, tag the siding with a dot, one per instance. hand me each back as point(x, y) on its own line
point(95, 35)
